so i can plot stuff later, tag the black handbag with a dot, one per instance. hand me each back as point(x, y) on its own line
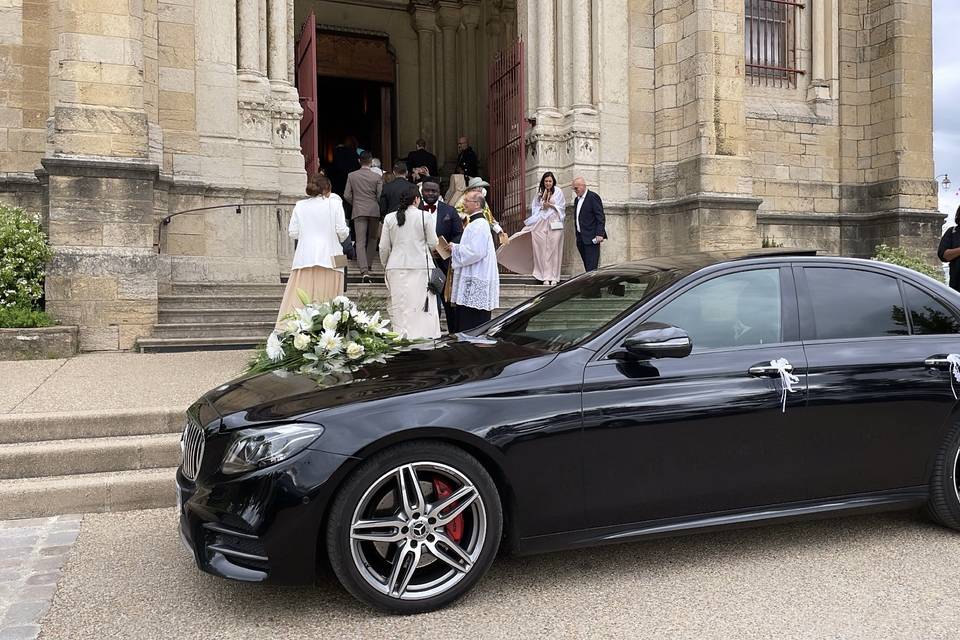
point(436, 278)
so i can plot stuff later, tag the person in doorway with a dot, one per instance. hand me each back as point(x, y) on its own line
point(450, 227)
point(476, 278)
point(408, 236)
point(344, 162)
point(375, 167)
point(390, 196)
point(949, 251)
point(363, 193)
point(467, 162)
point(423, 158)
point(546, 227)
point(319, 226)
point(589, 220)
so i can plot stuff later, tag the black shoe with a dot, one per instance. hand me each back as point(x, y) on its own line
point(365, 277)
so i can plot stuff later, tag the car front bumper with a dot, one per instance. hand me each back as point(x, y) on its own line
point(264, 526)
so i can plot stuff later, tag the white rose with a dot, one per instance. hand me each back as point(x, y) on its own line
point(354, 350)
point(341, 300)
point(301, 341)
point(331, 321)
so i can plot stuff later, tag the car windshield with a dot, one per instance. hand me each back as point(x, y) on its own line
point(569, 314)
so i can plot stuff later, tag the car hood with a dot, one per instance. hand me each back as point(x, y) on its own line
point(281, 395)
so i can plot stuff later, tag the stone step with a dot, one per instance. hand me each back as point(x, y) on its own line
point(40, 427)
point(274, 289)
point(215, 329)
point(169, 345)
point(87, 493)
point(205, 301)
point(203, 315)
point(88, 455)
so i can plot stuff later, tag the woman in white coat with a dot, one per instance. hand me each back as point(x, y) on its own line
point(546, 227)
point(319, 226)
point(406, 240)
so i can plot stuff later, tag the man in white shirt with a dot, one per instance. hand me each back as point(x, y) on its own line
point(476, 279)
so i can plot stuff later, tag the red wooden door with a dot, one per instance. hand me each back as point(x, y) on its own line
point(506, 137)
point(307, 86)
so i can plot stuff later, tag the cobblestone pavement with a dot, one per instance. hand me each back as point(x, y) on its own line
point(34, 552)
point(887, 576)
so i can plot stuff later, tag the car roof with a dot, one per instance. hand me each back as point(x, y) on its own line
point(691, 262)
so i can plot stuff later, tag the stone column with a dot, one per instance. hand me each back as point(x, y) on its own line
point(103, 274)
point(425, 23)
point(471, 59)
point(449, 21)
point(248, 19)
point(277, 62)
point(582, 54)
point(545, 25)
point(264, 28)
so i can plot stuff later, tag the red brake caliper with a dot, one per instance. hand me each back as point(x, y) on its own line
point(455, 528)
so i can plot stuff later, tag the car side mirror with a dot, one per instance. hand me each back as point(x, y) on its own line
point(658, 340)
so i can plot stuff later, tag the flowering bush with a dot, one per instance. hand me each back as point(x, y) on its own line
point(327, 337)
point(23, 254)
point(904, 258)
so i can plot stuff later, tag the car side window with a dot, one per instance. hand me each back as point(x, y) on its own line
point(928, 316)
point(733, 310)
point(850, 303)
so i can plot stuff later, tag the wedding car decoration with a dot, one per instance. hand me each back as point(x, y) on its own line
point(323, 338)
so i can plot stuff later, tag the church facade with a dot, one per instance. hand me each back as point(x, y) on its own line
point(703, 124)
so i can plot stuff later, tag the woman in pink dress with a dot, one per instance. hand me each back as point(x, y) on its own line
point(546, 229)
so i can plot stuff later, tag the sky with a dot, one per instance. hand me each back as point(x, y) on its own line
point(946, 99)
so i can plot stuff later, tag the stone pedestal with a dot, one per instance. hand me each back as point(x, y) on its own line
point(103, 274)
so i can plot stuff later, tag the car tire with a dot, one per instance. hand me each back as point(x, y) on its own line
point(944, 502)
point(374, 571)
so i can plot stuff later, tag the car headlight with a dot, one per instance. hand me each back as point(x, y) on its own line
point(258, 448)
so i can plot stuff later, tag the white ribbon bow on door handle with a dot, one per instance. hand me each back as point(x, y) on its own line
point(954, 360)
point(788, 379)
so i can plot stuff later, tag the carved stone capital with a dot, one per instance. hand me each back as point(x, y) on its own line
point(448, 15)
point(471, 13)
point(424, 14)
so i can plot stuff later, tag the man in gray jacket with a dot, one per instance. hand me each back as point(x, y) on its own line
point(363, 193)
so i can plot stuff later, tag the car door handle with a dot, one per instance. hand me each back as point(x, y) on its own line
point(765, 370)
point(937, 362)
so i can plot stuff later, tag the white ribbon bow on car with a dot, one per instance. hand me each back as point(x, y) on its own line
point(954, 360)
point(788, 379)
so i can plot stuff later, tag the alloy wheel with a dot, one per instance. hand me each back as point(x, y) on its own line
point(418, 530)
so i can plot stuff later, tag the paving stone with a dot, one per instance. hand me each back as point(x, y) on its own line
point(21, 613)
point(62, 538)
point(25, 632)
point(54, 551)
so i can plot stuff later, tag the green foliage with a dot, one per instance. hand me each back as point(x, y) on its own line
point(20, 318)
point(911, 260)
point(23, 254)
point(770, 242)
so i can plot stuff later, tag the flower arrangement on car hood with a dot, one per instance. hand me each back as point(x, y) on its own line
point(327, 337)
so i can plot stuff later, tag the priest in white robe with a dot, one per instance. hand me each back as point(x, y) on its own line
point(476, 279)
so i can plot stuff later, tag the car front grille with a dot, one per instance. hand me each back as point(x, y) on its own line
point(192, 446)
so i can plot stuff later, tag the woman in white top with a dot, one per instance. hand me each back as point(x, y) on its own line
point(319, 226)
point(546, 226)
point(408, 236)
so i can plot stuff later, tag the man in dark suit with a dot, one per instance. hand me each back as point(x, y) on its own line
point(450, 227)
point(390, 196)
point(588, 216)
point(466, 158)
point(345, 161)
point(422, 158)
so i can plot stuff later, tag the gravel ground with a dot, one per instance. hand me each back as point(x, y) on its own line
point(885, 576)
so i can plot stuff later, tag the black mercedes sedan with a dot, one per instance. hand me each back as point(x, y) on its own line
point(652, 398)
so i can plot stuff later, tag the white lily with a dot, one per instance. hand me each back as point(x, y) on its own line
point(341, 301)
point(274, 348)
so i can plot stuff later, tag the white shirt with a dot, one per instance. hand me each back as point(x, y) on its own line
point(319, 226)
point(538, 212)
point(579, 206)
point(476, 280)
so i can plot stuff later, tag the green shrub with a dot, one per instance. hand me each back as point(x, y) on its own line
point(23, 254)
point(20, 318)
point(911, 260)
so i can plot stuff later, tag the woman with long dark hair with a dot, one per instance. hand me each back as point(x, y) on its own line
point(546, 229)
point(319, 226)
point(409, 235)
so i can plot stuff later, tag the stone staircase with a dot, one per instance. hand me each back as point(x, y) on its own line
point(91, 461)
point(202, 315)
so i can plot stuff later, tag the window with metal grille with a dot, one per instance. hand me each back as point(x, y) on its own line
point(770, 41)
